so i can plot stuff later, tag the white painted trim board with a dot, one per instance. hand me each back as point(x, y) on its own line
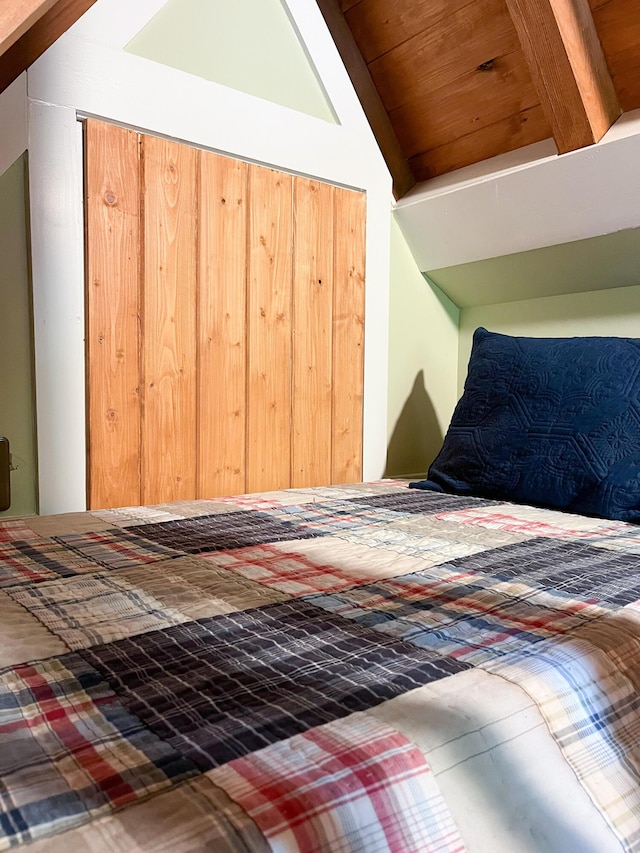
point(472, 215)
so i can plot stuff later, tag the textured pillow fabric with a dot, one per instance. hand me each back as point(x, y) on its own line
point(553, 422)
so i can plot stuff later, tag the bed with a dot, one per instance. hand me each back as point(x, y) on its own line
point(367, 668)
point(345, 668)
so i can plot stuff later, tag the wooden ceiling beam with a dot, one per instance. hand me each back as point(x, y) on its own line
point(29, 27)
point(568, 67)
point(17, 16)
point(372, 105)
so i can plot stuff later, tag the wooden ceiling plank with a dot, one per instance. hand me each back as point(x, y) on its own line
point(403, 179)
point(432, 58)
point(17, 16)
point(597, 4)
point(379, 26)
point(465, 105)
point(561, 45)
point(345, 5)
point(522, 128)
point(35, 29)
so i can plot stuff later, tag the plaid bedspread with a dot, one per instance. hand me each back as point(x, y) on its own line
point(365, 668)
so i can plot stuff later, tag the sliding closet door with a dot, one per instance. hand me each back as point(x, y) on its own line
point(225, 323)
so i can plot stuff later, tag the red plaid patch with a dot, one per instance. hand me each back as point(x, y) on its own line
point(532, 521)
point(355, 784)
point(16, 567)
point(286, 571)
point(15, 528)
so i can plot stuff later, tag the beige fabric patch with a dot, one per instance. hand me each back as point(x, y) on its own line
point(196, 588)
point(87, 610)
point(351, 558)
point(22, 637)
point(449, 532)
point(66, 523)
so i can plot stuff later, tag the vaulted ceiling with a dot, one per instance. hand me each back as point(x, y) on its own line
point(444, 83)
point(448, 83)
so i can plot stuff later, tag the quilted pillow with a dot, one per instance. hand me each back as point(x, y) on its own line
point(553, 422)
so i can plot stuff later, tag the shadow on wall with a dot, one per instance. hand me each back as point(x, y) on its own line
point(416, 437)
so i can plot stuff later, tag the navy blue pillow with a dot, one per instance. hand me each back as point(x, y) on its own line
point(553, 422)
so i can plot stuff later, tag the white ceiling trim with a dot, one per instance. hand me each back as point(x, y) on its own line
point(515, 203)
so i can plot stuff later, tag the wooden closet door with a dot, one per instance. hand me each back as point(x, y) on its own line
point(225, 324)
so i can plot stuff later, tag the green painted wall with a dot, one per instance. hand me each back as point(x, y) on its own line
point(423, 364)
point(17, 412)
point(609, 261)
point(249, 45)
point(604, 312)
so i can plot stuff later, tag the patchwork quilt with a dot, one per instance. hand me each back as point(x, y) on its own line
point(364, 668)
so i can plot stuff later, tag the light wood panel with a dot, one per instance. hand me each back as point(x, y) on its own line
point(312, 333)
point(112, 306)
point(169, 322)
point(561, 44)
point(222, 326)
point(348, 335)
point(269, 330)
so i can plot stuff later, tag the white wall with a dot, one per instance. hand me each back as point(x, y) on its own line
point(87, 72)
